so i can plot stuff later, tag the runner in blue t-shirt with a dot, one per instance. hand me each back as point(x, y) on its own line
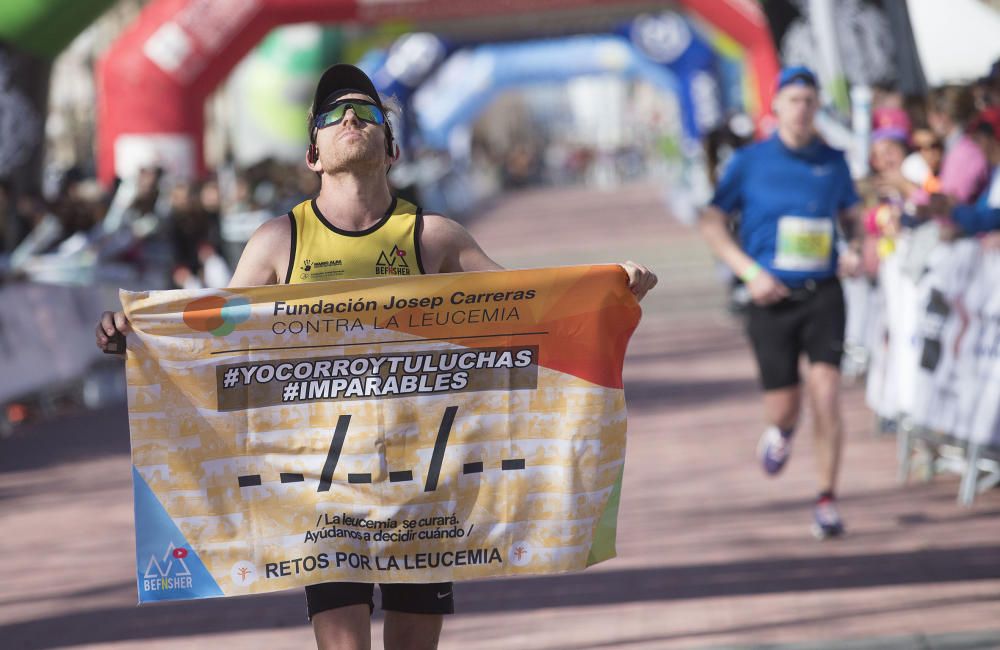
point(791, 191)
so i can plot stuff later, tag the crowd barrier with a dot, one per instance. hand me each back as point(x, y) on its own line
point(932, 332)
point(47, 337)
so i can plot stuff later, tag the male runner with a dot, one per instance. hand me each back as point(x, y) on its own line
point(791, 189)
point(352, 227)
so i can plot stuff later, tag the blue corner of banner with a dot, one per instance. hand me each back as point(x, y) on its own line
point(167, 568)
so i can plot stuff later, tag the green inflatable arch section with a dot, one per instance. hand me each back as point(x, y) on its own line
point(45, 27)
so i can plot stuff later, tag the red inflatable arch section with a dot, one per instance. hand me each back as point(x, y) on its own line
point(153, 82)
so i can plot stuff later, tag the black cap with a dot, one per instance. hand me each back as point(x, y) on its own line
point(343, 78)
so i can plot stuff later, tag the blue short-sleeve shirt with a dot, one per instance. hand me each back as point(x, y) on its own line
point(789, 200)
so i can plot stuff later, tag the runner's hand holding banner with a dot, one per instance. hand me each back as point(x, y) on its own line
point(422, 429)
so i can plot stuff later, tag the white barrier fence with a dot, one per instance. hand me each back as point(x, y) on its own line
point(47, 336)
point(933, 336)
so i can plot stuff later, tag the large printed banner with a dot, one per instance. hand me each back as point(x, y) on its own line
point(406, 429)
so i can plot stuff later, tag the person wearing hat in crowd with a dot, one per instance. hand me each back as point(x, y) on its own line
point(884, 193)
point(920, 169)
point(347, 231)
point(792, 190)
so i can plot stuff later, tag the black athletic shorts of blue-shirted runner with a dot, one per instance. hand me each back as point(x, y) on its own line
point(811, 320)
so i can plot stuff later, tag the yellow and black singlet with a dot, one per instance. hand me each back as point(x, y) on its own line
point(321, 251)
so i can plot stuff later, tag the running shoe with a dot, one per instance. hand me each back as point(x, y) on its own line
point(774, 450)
point(826, 520)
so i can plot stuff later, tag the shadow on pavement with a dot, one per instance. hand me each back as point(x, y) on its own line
point(73, 437)
point(955, 641)
point(589, 588)
point(643, 394)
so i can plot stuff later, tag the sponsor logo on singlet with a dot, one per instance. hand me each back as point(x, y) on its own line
point(392, 263)
point(323, 269)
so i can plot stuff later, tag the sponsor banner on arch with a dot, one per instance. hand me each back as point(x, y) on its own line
point(415, 429)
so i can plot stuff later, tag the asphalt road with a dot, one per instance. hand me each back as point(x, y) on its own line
point(711, 553)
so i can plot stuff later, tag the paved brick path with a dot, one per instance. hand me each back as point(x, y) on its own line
point(711, 554)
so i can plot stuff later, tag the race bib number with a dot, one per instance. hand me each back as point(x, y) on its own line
point(804, 244)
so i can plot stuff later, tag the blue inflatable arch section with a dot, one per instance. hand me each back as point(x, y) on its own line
point(468, 80)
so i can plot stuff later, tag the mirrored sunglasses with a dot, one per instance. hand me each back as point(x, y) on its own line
point(365, 111)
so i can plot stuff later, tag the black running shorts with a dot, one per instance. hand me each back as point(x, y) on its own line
point(811, 320)
point(435, 598)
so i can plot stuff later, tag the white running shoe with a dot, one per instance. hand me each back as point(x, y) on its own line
point(774, 450)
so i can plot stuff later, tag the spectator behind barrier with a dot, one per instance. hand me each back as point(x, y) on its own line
point(194, 222)
point(984, 215)
point(884, 193)
point(923, 166)
point(964, 171)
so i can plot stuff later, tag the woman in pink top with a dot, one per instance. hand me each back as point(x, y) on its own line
point(965, 170)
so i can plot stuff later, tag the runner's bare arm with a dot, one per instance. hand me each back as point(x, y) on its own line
point(265, 257)
point(713, 226)
point(447, 247)
point(850, 223)
point(849, 262)
point(763, 287)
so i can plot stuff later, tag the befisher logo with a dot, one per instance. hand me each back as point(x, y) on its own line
point(392, 263)
point(217, 315)
point(168, 572)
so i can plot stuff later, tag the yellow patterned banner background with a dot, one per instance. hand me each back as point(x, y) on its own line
point(421, 429)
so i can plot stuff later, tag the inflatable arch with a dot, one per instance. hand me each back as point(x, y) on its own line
point(657, 47)
point(470, 79)
point(153, 82)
